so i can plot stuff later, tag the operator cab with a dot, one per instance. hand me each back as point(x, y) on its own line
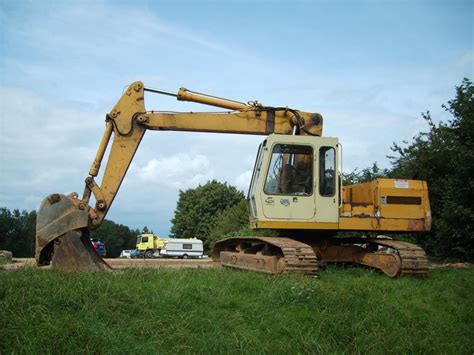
point(295, 183)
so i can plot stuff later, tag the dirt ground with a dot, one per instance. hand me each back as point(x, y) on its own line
point(205, 263)
point(450, 266)
point(171, 263)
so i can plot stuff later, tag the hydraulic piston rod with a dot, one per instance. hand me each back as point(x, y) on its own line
point(188, 95)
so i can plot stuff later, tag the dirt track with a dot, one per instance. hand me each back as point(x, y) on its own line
point(206, 263)
point(124, 263)
point(172, 263)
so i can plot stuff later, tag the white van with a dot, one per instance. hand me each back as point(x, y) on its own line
point(182, 248)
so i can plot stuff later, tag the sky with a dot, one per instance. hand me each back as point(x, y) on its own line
point(369, 67)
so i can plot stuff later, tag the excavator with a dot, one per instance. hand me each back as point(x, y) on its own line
point(296, 190)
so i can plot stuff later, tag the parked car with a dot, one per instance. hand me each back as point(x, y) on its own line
point(182, 248)
point(126, 254)
point(133, 253)
point(99, 247)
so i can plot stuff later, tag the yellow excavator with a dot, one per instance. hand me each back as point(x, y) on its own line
point(296, 189)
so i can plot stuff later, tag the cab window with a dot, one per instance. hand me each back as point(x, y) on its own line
point(144, 239)
point(256, 170)
point(327, 171)
point(290, 171)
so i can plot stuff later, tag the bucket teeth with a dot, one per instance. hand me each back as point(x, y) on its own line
point(62, 235)
point(73, 251)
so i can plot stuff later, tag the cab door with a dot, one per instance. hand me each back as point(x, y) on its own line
point(288, 186)
point(327, 183)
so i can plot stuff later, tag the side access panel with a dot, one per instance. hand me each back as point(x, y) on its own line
point(386, 205)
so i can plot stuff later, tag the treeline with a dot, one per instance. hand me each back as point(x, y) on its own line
point(199, 210)
point(17, 234)
point(443, 156)
point(116, 237)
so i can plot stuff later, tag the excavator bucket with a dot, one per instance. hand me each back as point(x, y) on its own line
point(62, 237)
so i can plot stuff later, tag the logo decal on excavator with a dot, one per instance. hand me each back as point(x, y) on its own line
point(269, 201)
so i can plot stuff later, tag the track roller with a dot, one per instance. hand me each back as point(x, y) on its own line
point(270, 255)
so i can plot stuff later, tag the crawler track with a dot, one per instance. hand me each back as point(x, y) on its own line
point(413, 258)
point(299, 257)
point(277, 255)
point(272, 255)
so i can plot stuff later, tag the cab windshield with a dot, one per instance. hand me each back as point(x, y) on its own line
point(290, 171)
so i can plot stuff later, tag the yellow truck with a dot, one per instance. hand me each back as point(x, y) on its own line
point(148, 244)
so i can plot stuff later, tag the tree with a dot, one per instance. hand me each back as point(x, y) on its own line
point(444, 156)
point(116, 237)
point(234, 222)
point(197, 209)
point(234, 219)
point(17, 232)
point(146, 230)
point(365, 175)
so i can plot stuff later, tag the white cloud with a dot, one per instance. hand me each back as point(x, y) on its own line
point(180, 171)
point(242, 182)
point(102, 29)
point(64, 65)
point(95, 48)
point(465, 63)
point(42, 145)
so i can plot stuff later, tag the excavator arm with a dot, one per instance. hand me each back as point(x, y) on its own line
point(64, 222)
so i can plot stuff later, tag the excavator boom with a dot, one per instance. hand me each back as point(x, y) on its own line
point(64, 221)
point(296, 189)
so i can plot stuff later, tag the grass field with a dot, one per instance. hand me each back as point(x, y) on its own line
point(228, 311)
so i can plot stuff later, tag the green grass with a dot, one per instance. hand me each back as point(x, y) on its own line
point(4, 261)
point(229, 311)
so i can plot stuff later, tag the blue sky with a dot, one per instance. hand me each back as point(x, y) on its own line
point(370, 67)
